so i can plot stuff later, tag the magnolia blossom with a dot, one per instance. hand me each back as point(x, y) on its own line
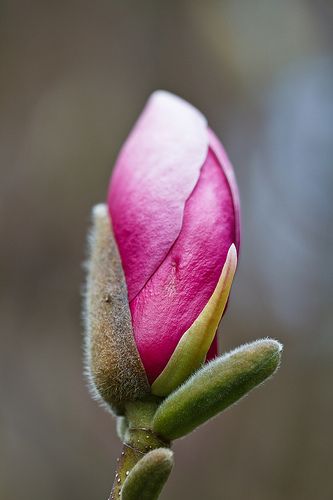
point(174, 206)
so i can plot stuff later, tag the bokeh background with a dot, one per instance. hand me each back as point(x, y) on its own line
point(74, 76)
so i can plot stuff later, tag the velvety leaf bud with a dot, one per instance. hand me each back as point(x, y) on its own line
point(216, 386)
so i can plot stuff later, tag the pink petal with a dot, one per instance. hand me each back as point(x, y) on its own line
point(219, 150)
point(180, 288)
point(213, 350)
point(156, 171)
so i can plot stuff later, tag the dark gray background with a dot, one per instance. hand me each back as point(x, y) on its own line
point(74, 76)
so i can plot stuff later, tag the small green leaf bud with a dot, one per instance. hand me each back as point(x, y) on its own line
point(215, 387)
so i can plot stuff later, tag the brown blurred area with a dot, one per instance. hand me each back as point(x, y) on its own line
point(74, 76)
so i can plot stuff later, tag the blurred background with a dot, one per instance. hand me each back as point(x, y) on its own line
point(74, 77)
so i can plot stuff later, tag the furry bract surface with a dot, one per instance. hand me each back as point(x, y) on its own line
point(114, 366)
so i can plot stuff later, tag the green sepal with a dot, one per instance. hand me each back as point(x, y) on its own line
point(192, 348)
point(216, 386)
point(148, 476)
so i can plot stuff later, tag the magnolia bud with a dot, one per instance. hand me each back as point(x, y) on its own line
point(174, 206)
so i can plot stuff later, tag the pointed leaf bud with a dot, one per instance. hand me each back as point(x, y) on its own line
point(216, 386)
point(113, 364)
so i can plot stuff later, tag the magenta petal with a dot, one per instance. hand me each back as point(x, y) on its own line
point(178, 291)
point(222, 157)
point(156, 171)
point(213, 350)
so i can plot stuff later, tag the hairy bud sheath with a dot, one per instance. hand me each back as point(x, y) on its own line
point(113, 363)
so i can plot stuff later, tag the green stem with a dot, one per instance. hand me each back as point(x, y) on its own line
point(139, 439)
point(125, 463)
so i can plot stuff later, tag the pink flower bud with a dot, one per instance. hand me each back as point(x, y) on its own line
point(174, 206)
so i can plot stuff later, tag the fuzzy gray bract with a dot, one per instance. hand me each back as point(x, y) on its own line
point(113, 365)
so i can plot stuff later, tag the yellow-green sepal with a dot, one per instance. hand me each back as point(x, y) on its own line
point(192, 348)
